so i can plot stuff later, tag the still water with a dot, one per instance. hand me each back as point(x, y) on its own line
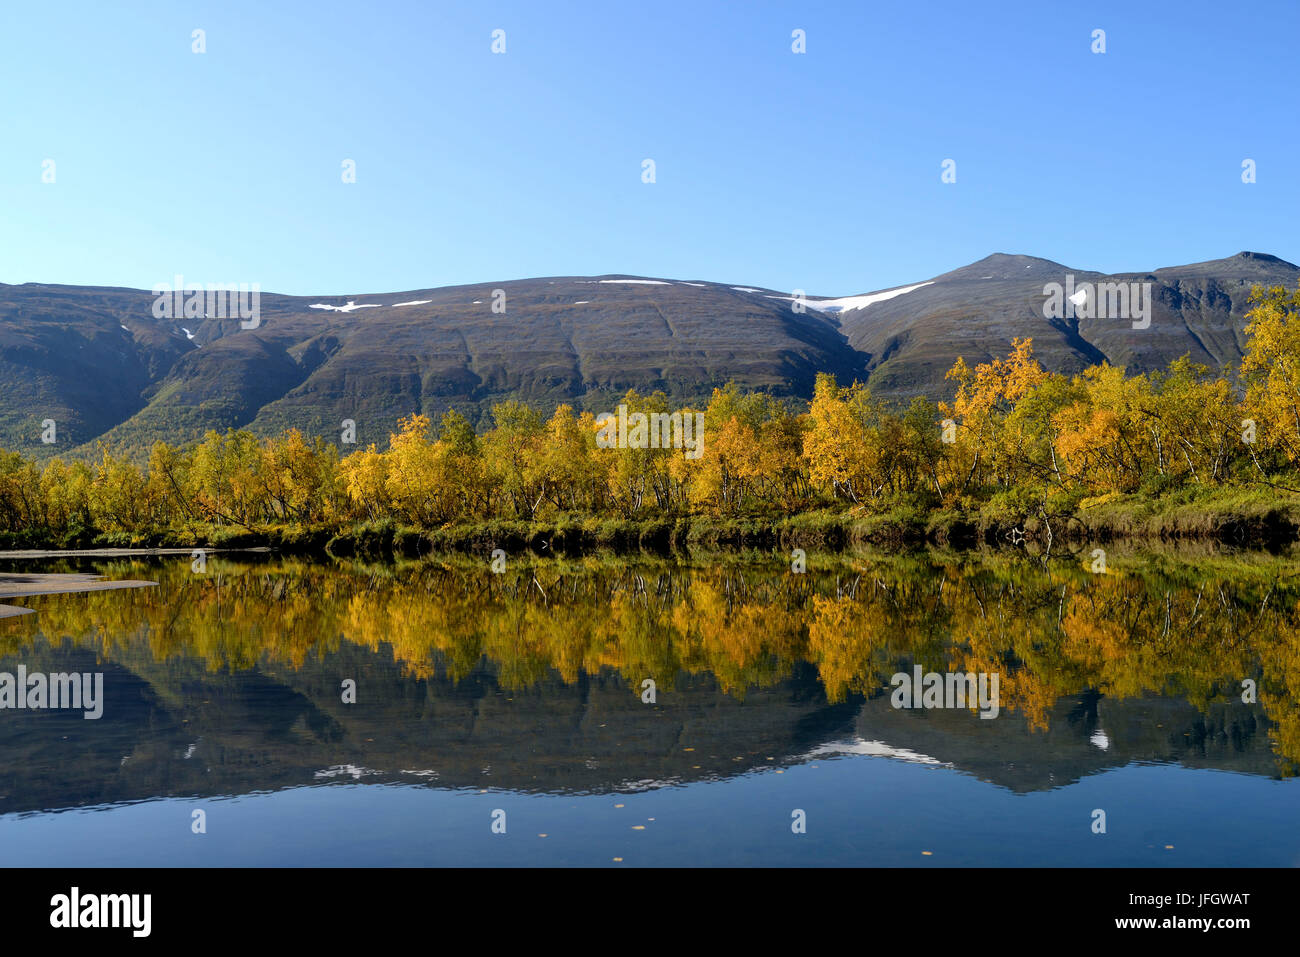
point(519, 700)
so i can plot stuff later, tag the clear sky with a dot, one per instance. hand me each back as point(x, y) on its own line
point(819, 171)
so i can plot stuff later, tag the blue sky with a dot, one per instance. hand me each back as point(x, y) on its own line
point(818, 171)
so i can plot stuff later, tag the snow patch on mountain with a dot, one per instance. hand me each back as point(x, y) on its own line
point(350, 306)
point(849, 303)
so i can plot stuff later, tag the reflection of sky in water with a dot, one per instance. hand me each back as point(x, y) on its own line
point(860, 810)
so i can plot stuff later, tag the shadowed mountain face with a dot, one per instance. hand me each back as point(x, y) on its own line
point(98, 362)
point(974, 312)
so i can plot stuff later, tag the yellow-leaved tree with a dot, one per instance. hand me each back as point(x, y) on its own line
point(1271, 366)
point(836, 445)
point(986, 395)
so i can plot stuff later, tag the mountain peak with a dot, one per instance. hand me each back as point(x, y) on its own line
point(1006, 266)
point(1262, 267)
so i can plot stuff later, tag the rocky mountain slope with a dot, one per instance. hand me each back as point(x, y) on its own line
point(99, 363)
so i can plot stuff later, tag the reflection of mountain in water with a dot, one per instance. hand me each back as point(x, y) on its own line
point(1086, 733)
point(174, 728)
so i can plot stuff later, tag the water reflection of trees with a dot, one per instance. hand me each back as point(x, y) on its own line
point(1185, 633)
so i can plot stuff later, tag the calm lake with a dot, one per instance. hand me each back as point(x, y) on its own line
point(1160, 699)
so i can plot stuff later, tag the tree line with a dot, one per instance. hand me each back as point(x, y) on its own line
point(1012, 432)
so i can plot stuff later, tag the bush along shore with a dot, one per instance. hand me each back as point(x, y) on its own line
point(1018, 456)
point(1255, 521)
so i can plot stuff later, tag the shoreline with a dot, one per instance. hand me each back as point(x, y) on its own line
point(117, 552)
point(27, 585)
point(1262, 526)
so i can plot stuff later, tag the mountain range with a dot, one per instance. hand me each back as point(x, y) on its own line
point(100, 364)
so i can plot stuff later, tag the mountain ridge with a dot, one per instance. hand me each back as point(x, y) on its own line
point(96, 361)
